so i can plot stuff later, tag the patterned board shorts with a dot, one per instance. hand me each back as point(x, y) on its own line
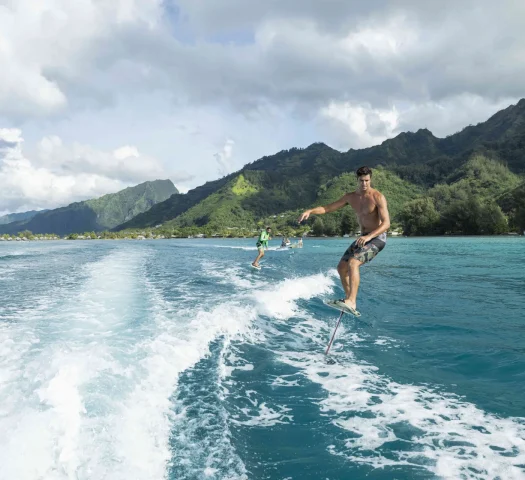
point(366, 253)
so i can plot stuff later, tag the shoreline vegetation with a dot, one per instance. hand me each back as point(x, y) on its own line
point(152, 234)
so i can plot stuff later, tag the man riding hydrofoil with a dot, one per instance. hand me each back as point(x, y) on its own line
point(371, 209)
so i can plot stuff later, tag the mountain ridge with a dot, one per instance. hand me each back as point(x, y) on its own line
point(102, 213)
point(290, 179)
point(19, 217)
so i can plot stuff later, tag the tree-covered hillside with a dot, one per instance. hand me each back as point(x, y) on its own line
point(19, 217)
point(397, 191)
point(98, 214)
point(466, 204)
point(222, 208)
point(470, 170)
point(173, 206)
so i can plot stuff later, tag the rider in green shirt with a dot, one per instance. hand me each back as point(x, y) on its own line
point(262, 244)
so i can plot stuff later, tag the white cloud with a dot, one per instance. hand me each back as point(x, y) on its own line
point(124, 163)
point(24, 186)
point(67, 55)
point(309, 54)
point(175, 78)
point(54, 47)
point(224, 158)
point(127, 151)
point(450, 115)
point(359, 126)
point(61, 174)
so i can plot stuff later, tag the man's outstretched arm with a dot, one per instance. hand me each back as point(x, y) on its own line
point(332, 207)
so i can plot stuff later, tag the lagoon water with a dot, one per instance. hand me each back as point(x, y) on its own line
point(173, 359)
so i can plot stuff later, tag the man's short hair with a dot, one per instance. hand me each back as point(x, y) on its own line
point(268, 228)
point(362, 171)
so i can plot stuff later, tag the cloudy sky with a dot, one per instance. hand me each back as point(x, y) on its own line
point(96, 95)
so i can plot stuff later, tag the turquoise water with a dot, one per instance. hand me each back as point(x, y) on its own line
point(173, 359)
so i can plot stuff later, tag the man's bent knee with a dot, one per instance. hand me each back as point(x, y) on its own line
point(342, 266)
point(355, 263)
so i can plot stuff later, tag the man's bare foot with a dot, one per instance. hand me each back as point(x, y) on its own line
point(344, 306)
point(350, 303)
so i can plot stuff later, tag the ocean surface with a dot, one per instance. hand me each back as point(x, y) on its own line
point(174, 359)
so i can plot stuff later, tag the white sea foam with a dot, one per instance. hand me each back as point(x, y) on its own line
point(65, 353)
point(387, 342)
point(144, 432)
point(440, 432)
point(282, 382)
point(254, 248)
point(437, 430)
point(84, 394)
point(231, 362)
point(280, 300)
point(92, 395)
point(86, 380)
point(265, 416)
point(234, 247)
point(260, 414)
point(211, 455)
point(230, 275)
point(433, 430)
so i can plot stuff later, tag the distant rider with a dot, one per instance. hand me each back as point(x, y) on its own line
point(262, 244)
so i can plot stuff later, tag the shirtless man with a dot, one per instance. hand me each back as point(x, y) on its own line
point(372, 215)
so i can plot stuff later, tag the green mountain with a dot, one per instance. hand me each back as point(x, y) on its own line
point(19, 217)
point(484, 160)
point(173, 206)
point(395, 189)
point(513, 202)
point(223, 207)
point(97, 214)
point(469, 202)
